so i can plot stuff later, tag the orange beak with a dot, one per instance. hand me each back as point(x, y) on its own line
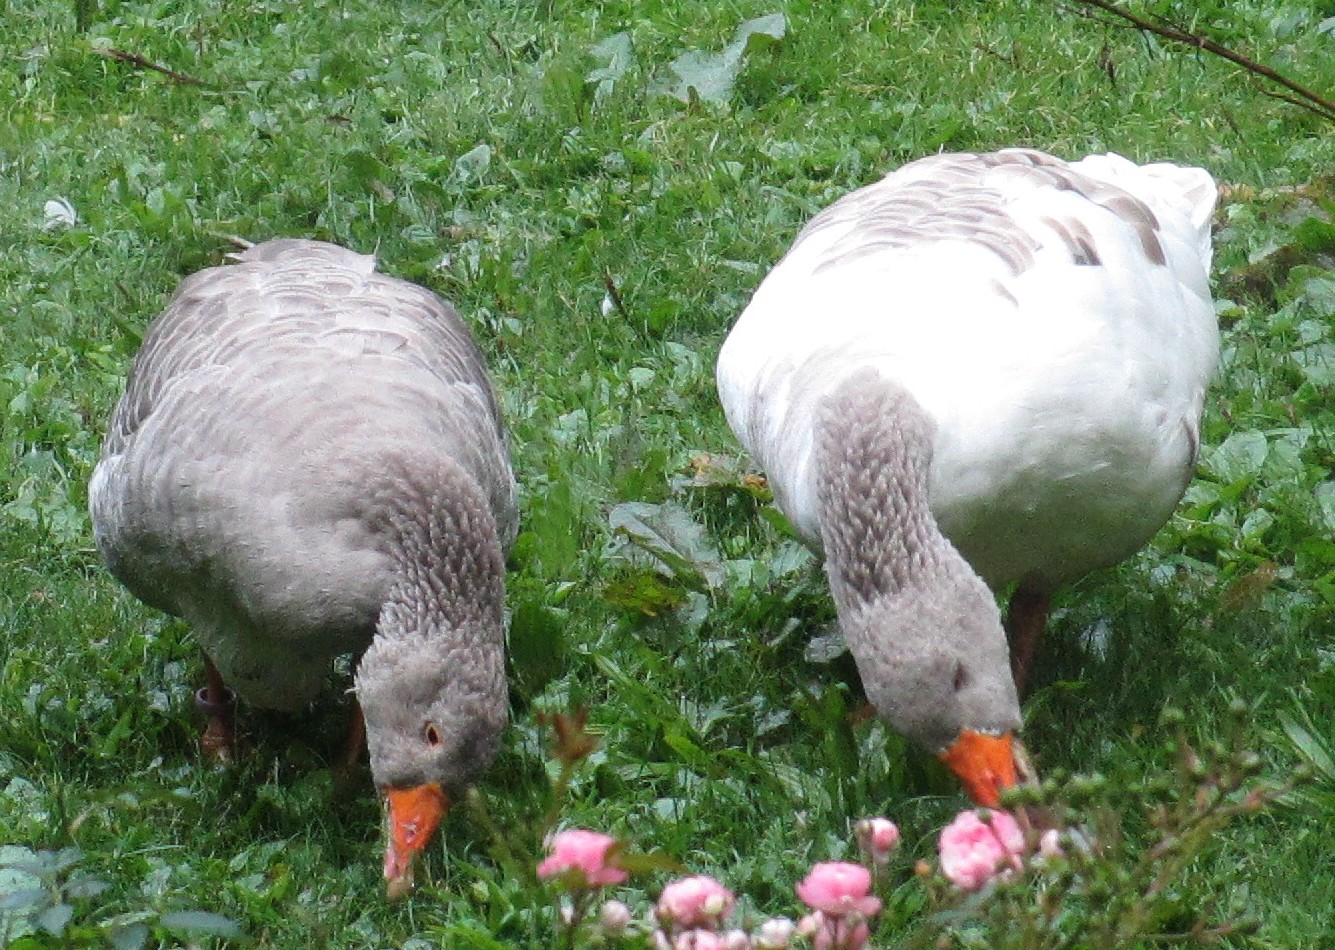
point(414, 816)
point(985, 765)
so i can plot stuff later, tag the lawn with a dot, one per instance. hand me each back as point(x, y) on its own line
point(600, 225)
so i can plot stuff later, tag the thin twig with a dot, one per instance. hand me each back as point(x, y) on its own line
point(1307, 99)
point(1008, 58)
point(1291, 100)
point(134, 59)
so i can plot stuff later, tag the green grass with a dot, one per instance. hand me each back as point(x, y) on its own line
point(468, 146)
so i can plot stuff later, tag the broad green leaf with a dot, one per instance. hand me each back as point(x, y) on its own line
point(1257, 523)
point(128, 937)
point(537, 646)
point(1325, 497)
point(710, 77)
point(1317, 364)
point(1319, 294)
point(55, 919)
point(645, 592)
point(1314, 234)
point(1240, 457)
point(473, 163)
point(616, 56)
point(670, 540)
point(83, 885)
point(201, 922)
point(362, 167)
point(826, 647)
point(15, 859)
point(22, 899)
point(553, 538)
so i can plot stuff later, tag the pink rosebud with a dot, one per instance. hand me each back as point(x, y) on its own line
point(775, 934)
point(811, 924)
point(834, 933)
point(701, 940)
point(736, 940)
point(817, 929)
point(973, 850)
point(839, 889)
point(877, 837)
point(584, 857)
point(614, 917)
point(853, 936)
point(698, 901)
point(1050, 844)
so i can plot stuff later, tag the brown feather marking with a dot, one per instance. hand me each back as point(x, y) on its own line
point(945, 199)
point(1080, 245)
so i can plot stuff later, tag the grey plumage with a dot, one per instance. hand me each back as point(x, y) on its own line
point(922, 625)
point(308, 456)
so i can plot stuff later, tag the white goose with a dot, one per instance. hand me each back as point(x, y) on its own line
point(307, 461)
point(1006, 350)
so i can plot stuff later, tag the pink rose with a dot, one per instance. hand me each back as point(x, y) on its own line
point(839, 889)
point(974, 850)
point(698, 901)
point(877, 837)
point(585, 856)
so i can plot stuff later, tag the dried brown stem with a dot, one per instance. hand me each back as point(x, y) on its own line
point(134, 59)
point(614, 293)
point(1305, 98)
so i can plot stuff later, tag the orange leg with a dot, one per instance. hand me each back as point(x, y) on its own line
point(1026, 617)
point(353, 750)
point(216, 701)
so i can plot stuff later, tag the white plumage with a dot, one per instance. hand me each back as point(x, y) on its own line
point(1052, 319)
point(1067, 393)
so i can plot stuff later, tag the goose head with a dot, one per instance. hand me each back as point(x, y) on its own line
point(432, 729)
point(923, 627)
point(934, 663)
point(432, 685)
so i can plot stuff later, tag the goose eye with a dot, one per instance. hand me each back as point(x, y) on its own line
point(961, 677)
point(431, 732)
